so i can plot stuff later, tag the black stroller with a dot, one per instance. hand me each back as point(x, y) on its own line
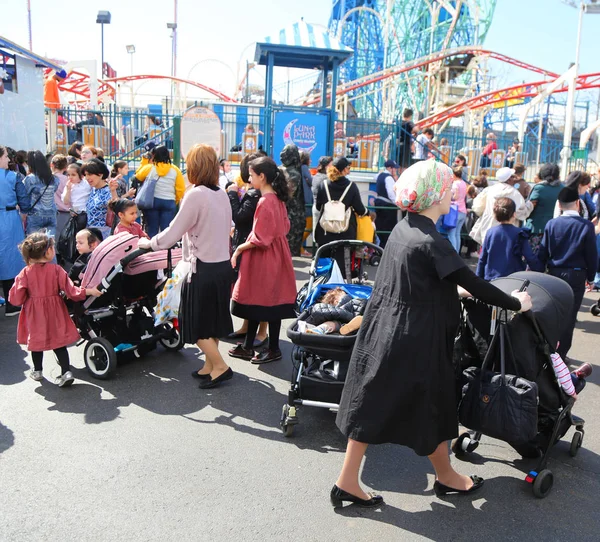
point(534, 335)
point(320, 362)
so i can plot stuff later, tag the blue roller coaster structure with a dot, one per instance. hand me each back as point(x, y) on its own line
point(388, 33)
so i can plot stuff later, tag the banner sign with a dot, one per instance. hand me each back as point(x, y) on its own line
point(200, 125)
point(308, 131)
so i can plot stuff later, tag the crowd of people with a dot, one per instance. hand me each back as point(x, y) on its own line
point(233, 229)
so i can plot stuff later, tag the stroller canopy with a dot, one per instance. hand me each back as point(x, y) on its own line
point(552, 300)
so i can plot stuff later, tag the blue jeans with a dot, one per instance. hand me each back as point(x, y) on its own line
point(159, 217)
point(41, 222)
point(454, 233)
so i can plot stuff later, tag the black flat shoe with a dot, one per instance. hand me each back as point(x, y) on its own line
point(339, 496)
point(201, 377)
point(235, 335)
point(266, 356)
point(440, 489)
point(241, 353)
point(214, 382)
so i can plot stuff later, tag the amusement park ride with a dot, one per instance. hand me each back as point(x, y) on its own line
point(422, 54)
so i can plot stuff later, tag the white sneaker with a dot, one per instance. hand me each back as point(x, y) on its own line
point(36, 375)
point(65, 380)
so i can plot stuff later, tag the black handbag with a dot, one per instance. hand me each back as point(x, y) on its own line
point(496, 404)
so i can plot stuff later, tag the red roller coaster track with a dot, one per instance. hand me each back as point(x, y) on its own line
point(527, 90)
point(422, 62)
point(79, 83)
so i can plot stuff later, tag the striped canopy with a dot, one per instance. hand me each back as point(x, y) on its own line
point(302, 34)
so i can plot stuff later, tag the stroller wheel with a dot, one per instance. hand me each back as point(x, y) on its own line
point(464, 445)
point(542, 484)
point(575, 443)
point(288, 420)
point(595, 309)
point(173, 339)
point(100, 358)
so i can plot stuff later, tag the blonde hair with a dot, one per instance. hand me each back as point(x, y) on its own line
point(202, 166)
point(35, 246)
point(333, 173)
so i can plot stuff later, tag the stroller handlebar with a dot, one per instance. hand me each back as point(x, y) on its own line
point(354, 243)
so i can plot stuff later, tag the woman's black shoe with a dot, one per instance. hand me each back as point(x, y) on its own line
point(339, 496)
point(241, 353)
point(266, 356)
point(201, 377)
point(440, 489)
point(214, 382)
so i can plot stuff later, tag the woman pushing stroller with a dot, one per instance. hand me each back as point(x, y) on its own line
point(406, 339)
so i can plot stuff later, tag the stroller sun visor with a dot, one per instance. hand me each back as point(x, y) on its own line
point(552, 300)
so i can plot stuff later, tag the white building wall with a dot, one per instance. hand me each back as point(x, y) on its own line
point(22, 112)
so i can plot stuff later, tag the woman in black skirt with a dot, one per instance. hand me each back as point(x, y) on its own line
point(204, 223)
point(400, 386)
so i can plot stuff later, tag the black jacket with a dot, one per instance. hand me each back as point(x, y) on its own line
point(351, 199)
point(242, 214)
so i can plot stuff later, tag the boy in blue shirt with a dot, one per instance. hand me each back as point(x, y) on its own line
point(568, 249)
point(505, 245)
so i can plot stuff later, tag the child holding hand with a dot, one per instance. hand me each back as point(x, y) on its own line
point(127, 212)
point(44, 322)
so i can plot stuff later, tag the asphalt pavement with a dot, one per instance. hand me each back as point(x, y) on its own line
point(148, 456)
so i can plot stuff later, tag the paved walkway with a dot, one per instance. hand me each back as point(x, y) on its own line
point(149, 456)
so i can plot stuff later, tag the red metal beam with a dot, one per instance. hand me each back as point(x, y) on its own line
point(527, 90)
point(79, 83)
point(425, 61)
point(212, 91)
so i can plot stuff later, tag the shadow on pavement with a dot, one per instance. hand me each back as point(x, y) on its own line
point(7, 438)
point(12, 362)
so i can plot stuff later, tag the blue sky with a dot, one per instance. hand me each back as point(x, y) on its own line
point(540, 32)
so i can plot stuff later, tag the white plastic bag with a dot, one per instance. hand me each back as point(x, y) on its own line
point(167, 302)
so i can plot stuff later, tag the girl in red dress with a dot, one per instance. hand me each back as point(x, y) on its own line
point(265, 290)
point(44, 322)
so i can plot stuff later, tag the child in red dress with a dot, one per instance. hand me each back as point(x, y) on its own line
point(44, 322)
point(265, 290)
point(127, 212)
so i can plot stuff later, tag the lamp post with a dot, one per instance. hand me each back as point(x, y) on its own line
point(103, 18)
point(131, 50)
point(173, 27)
point(585, 6)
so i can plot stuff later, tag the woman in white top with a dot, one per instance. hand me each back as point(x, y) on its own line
point(168, 192)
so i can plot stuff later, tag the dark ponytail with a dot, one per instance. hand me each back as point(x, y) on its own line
point(275, 176)
point(121, 205)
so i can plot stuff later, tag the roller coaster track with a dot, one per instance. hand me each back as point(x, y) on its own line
point(424, 61)
point(526, 90)
point(79, 83)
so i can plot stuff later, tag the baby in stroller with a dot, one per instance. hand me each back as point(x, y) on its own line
point(336, 312)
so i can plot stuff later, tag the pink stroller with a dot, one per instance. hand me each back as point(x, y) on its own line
point(120, 323)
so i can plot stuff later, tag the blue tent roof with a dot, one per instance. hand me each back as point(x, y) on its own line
point(302, 45)
point(26, 53)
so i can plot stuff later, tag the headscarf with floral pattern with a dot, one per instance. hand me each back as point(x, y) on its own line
point(423, 185)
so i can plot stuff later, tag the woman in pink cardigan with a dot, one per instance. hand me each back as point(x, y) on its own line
point(204, 223)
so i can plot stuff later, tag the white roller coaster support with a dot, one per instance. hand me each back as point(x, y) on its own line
point(587, 133)
point(556, 84)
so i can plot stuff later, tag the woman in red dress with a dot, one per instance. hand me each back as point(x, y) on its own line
point(44, 322)
point(265, 290)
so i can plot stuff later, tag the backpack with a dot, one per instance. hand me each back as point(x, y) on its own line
point(335, 217)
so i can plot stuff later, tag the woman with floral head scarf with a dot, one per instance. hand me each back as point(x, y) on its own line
point(400, 386)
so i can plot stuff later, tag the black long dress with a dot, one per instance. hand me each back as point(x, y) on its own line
point(400, 386)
